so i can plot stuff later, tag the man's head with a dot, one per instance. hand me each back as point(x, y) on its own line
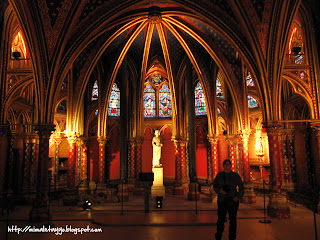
point(227, 165)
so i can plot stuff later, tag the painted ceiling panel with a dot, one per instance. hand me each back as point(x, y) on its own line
point(176, 52)
point(155, 48)
point(137, 48)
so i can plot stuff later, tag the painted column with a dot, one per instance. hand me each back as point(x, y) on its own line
point(249, 194)
point(178, 186)
point(40, 209)
point(132, 160)
point(84, 161)
point(26, 162)
point(55, 164)
point(282, 138)
point(232, 141)
point(72, 159)
point(316, 156)
point(184, 170)
point(245, 158)
point(278, 206)
point(102, 161)
point(214, 156)
point(139, 142)
point(287, 178)
point(34, 160)
point(292, 158)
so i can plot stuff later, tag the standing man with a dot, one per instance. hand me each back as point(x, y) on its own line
point(229, 187)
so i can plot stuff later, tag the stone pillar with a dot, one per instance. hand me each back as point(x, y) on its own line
point(72, 159)
point(278, 206)
point(249, 194)
point(40, 209)
point(214, 156)
point(102, 162)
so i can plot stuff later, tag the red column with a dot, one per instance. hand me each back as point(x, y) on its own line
point(214, 156)
point(177, 155)
point(102, 160)
point(245, 158)
point(275, 152)
point(278, 206)
point(72, 159)
point(132, 166)
point(231, 140)
point(84, 161)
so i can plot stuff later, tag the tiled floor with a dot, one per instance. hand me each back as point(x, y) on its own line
point(178, 219)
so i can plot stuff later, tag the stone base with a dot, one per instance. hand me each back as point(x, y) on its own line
point(158, 191)
point(249, 195)
point(278, 206)
point(40, 214)
point(157, 188)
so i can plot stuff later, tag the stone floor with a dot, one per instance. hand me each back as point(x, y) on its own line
point(177, 219)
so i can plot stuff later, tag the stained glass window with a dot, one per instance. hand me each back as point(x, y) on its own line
point(164, 101)
point(156, 79)
point(114, 101)
point(96, 112)
point(298, 59)
point(250, 82)
point(219, 91)
point(149, 101)
point(200, 102)
point(252, 102)
point(95, 91)
point(218, 109)
point(302, 75)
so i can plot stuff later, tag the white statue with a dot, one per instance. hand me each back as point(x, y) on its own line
point(156, 143)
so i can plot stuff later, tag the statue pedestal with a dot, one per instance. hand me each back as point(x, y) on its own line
point(157, 188)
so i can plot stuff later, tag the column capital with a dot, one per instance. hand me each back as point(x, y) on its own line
point(57, 141)
point(273, 128)
point(71, 137)
point(102, 141)
point(315, 127)
point(82, 141)
point(4, 130)
point(44, 130)
point(232, 139)
point(244, 135)
point(213, 139)
point(139, 140)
